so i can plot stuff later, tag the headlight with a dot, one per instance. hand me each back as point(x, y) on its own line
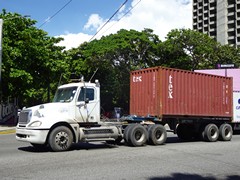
point(35, 124)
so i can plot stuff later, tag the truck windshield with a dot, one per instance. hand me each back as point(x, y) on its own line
point(65, 94)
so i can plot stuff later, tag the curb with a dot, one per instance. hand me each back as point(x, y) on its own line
point(8, 130)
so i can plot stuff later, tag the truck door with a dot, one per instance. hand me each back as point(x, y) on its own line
point(87, 105)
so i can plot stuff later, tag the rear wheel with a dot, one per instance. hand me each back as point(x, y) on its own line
point(225, 132)
point(126, 132)
point(137, 135)
point(157, 134)
point(60, 138)
point(211, 133)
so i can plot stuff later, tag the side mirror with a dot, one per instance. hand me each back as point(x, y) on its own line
point(81, 103)
point(87, 100)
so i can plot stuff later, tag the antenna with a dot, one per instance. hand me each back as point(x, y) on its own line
point(59, 82)
point(93, 74)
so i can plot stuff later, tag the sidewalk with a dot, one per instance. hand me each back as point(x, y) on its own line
point(7, 129)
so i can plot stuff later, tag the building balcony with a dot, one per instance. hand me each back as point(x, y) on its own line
point(231, 22)
point(211, 8)
point(205, 24)
point(212, 1)
point(205, 18)
point(212, 22)
point(231, 7)
point(205, 11)
point(238, 34)
point(230, 38)
point(231, 14)
point(230, 30)
point(212, 29)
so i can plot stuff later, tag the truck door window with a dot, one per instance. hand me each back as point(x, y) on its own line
point(86, 93)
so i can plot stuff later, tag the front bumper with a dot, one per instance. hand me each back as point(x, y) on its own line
point(37, 136)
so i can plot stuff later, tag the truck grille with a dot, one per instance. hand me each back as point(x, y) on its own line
point(25, 116)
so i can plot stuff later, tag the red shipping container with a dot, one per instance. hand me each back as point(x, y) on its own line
point(167, 92)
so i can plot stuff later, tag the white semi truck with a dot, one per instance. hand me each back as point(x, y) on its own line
point(158, 96)
point(74, 116)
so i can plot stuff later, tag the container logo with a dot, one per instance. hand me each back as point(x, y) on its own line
point(170, 87)
point(137, 78)
point(238, 106)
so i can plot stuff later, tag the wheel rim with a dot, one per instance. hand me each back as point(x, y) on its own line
point(158, 135)
point(139, 136)
point(213, 133)
point(62, 139)
point(227, 132)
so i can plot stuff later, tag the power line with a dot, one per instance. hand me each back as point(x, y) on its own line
point(108, 20)
point(55, 14)
point(123, 15)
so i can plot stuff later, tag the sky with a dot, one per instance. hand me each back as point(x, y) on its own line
point(79, 21)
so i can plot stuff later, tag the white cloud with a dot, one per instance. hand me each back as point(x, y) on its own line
point(73, 40)
point(160, 15)
point(94, 22)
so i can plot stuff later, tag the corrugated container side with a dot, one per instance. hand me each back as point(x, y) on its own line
point(144, 92)
point(172, 92)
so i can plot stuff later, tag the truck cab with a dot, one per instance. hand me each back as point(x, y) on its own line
point(72, 116)
point(82, 101)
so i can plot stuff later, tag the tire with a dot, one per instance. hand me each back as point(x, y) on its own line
point(211, 133)
point(60, 139)
point(137, 135)
point(185, 132)
point(225, 132)
point(125, 134)
point(157, 134)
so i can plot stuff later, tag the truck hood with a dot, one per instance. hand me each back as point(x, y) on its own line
point(51, 110)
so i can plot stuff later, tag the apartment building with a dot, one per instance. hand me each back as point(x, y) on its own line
point(219, 19)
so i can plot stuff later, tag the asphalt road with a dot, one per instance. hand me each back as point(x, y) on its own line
point(175, 160)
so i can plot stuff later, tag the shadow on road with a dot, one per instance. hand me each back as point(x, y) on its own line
point(100, 145)
point(181, 176)
point(75, 146)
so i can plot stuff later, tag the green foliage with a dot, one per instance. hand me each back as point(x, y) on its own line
point(115, 56)
point(190, 50)
point(31, 62)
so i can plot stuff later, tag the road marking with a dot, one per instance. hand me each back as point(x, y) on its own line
point(9, 131)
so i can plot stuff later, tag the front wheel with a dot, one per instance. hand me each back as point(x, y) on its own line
point(60, 138)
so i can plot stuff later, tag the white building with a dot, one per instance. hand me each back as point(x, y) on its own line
point(219, 19)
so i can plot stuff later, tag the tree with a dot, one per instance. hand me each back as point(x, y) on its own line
point(115, 56)
point(227, 54)
point(188, 49)
point(31, 61)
